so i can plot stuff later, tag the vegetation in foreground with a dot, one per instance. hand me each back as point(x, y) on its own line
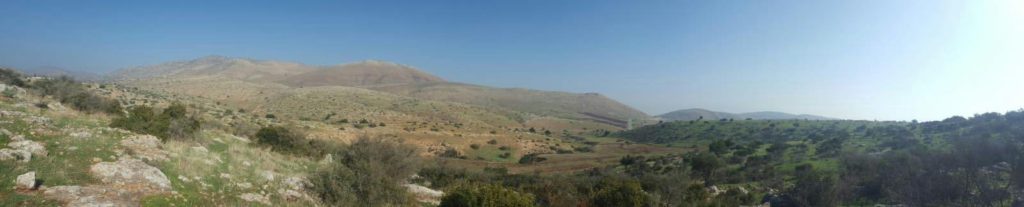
point(728, 162)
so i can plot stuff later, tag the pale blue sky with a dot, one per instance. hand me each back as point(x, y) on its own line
point(872, 59)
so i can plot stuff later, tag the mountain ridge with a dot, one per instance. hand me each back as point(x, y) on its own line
point(699, 113)
point(261, 78)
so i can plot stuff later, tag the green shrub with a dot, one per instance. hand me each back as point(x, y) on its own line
point(451, 153)
point(9, 93)
point(531, 158)
point(287, 140)
point(10, 77)
point(173, 123)
point(620, 193)
point(367, 173)
point(583, 149)
point(486, 195)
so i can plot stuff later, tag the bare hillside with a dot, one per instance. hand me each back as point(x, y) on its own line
point(591, 106)
point(366, 73)
point(218, 66)
point(269, 85)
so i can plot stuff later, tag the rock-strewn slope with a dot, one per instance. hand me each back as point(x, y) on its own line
point(57, 156)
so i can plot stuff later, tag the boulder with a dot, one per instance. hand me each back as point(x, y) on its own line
point(80, 134)
point(33, 147)
point(56, 106)
point(145, 147)
point(133, 173)
point(92, 196)
point(424, 194)
point(26, 181)
point(296, 183)
point(266, 174)
point(12, 154)
point(252, 197)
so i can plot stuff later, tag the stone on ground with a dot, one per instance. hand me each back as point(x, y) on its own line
point(92, 196)
point(252, 197)
point(424, 194)
point(145, 147)
point(131, 173)
point(26, 181)
point(33, 147)
point(11, 154)
point(124, 183)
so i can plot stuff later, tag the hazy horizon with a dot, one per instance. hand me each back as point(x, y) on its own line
point(872, 60)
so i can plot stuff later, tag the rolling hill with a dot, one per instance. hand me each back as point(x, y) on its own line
point(216, 66)
point(366, 73)
point(695, 114)
point(588, 106)
point(252, 83)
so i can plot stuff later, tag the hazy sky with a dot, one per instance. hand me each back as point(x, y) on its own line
point(859, 59)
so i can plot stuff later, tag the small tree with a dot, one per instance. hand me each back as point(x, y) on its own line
point(368, 173)
point(814, 188)
point(706, 164)
point(531, 158)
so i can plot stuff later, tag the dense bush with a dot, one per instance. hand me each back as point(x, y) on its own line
point(367, 173)
point(813, 188)
point(451, 153)
point(620, 193)
point(486, 195)
point(531, 158)
point(290, 140)
point(11, 77)
point(174, 122)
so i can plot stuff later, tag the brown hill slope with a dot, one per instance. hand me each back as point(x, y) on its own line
point(366, 73)
point(217, 66)
point(590, 106)
point(253, 83)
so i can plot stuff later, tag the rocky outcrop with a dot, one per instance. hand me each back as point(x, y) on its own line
point(22, 149)
point(145, 147)
point(295, 189)
point(91, 196)
point(253, 197)
point(128, 172)
point(19, 155)
point(424, 194)
point(30, 146)
point(124, 183)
